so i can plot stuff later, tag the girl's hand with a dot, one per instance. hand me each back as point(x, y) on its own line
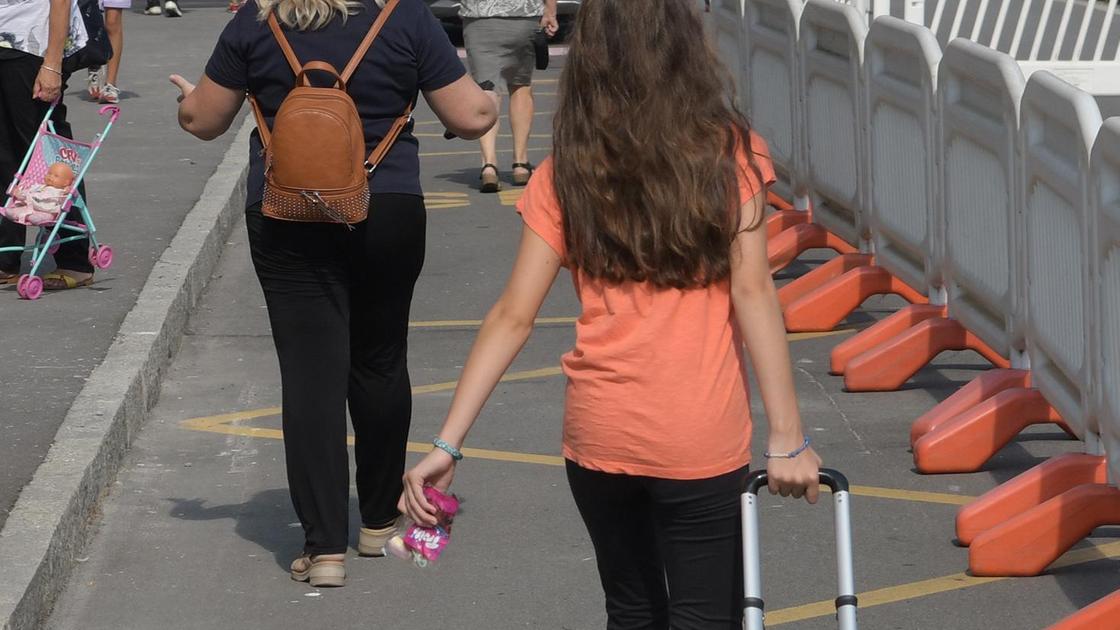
point(186, 87)
point(436, 469)
point(795, 477)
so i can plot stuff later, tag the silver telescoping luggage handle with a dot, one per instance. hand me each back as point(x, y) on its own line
point(752, 574)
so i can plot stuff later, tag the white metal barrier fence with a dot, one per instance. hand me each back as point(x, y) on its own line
point(979, 91)
point(1105, 240)
point(830, 46)
point(1058, 126)
point(907, 226)
point(1078, 40)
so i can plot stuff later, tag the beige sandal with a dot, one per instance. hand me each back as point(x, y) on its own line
point(319, 571)
point(371, 542)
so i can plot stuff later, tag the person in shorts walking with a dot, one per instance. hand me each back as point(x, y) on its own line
point(498, 36)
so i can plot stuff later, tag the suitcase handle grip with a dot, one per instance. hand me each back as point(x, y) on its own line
point(834, 479)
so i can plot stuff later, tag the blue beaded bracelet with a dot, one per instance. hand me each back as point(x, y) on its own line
point(790, 455)
point(455, 453)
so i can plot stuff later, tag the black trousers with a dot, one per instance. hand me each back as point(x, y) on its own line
point(669, 552)
point(20, 116)
point(338, 302)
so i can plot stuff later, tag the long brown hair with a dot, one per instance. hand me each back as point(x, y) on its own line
point(645, 140)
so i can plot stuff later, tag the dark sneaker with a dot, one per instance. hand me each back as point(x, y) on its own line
point(153, 8)
point(171, 9)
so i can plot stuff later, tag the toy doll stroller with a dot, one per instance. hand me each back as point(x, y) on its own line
point(47, 149)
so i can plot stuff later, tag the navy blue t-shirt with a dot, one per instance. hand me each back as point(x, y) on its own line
point(412, 53)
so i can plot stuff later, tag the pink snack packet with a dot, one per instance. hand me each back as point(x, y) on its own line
point(424, 545)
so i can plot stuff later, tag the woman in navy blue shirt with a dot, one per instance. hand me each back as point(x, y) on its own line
point(338, 300)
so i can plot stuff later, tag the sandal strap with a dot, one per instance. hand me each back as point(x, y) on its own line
point(525, 165)
point(493, 166)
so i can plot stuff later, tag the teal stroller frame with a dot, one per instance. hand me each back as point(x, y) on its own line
point(46, 149)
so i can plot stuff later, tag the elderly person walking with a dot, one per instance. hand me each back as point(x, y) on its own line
point(338, 298)
point(499, 38)
point(35, 36)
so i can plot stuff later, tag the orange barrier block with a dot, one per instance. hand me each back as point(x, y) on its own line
point(1103, 613)
point(966, 442)
point(881, 332)
point(1029, 490)
point(826, 306)
point(788, 245)
point(806, 284)
point(1026, 544)
point(975, 392)
point(887, 366)
point(783, 220)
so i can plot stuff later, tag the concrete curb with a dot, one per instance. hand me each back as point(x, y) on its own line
point(48, 525)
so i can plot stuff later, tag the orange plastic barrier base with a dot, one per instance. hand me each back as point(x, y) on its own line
point(1028, 543)
point(821, 276)
point(1103, 613)
point(820, 303)
point(791, 243)
point(783, 220)
point(887, 366)
point(777, 202)
point(967, 441)
point(1029, 490)
point(975, 392)
point(883, 330)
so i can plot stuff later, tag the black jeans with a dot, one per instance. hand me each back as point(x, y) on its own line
point(669, 551)
point(338, 302)
point(20, 116)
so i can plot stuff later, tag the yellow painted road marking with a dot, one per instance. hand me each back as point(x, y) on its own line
point(475, 152)
point(223, 424)
point(510, 197)
point(446, 200)
point(906, 592)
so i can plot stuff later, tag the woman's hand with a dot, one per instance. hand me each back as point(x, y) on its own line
point(436, 469)
point(549, 22)
point(796, 477)
point(48, 85)
point(185, 86)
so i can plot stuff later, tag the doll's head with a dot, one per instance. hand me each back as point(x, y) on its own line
point(59, 175)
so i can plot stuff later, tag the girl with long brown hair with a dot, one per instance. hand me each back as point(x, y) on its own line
point(652, 199)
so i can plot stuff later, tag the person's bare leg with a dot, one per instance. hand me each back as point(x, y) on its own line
point(521, 123)
point(114, 26)
point(489, 146)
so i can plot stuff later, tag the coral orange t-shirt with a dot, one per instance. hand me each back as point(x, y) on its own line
point(656, 381)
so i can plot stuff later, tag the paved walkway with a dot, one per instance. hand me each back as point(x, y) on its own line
point(199, 530)
point(146, 178)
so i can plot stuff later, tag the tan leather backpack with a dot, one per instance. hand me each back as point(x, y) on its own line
point(316, 168)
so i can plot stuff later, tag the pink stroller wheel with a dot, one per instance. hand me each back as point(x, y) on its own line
point(104, 257)
point(30, 287)
point(19, 285)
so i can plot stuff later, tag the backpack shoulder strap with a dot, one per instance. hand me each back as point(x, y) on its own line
point(382, 149)
point(289, 54)
point(374, 31)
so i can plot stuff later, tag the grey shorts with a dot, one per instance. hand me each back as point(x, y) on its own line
point(500, 50)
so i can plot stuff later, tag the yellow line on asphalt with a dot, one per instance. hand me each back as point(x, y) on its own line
point(223, 424)
point(923, 588)
point(912, 495)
